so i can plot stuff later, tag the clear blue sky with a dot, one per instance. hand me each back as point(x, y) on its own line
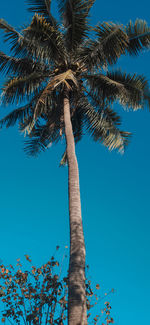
point(115, 190)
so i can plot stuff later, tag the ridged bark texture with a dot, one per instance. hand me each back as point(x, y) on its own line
point(76, 296)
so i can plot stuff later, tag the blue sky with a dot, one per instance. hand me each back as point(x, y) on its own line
point(114, 190)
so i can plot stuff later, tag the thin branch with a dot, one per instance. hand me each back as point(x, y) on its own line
point(23, 307)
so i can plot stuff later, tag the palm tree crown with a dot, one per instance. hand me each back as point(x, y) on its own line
point(49, 57)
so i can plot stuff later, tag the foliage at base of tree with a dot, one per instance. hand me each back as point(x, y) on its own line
point(38, 295)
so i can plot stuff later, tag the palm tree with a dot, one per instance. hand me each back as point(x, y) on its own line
point(60, 71)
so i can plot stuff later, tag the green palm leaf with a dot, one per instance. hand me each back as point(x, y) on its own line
point(42, 140)
point(135, 92)
point(18, 88)
point(20, 45)
point(19, 66)
point(112, 40)
point(109, 44)
point(75, 20)
point(14, 37)
point(103, 129)
point(139, 36)
point(131, 90)
point(26, 112)
point(49, 42)
point(103, 126)
point(18, 114)
point(43, 134)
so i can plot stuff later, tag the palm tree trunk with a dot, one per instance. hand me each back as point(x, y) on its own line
point(76, 294)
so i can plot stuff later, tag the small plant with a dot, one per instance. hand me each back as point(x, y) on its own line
point(38, 295)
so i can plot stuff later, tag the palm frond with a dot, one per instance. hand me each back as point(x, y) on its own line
point(139, 36)
point(26, 114)
point(18, 114)
point(110, 43)
point(20, 46)
point(17, 88)
point(14, 37)
point(29, 42)
point(42, 7)
point(102, 105)
point(103, 126)
point(131, 90)
point(134, 92)
point(42, 136)
point(19, 66)
point(49, 39)
point(113, 41)
point(48, 125)
point(75, 20)
point(41, 141)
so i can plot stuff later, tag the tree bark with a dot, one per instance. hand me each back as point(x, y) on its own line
point(77, 314)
